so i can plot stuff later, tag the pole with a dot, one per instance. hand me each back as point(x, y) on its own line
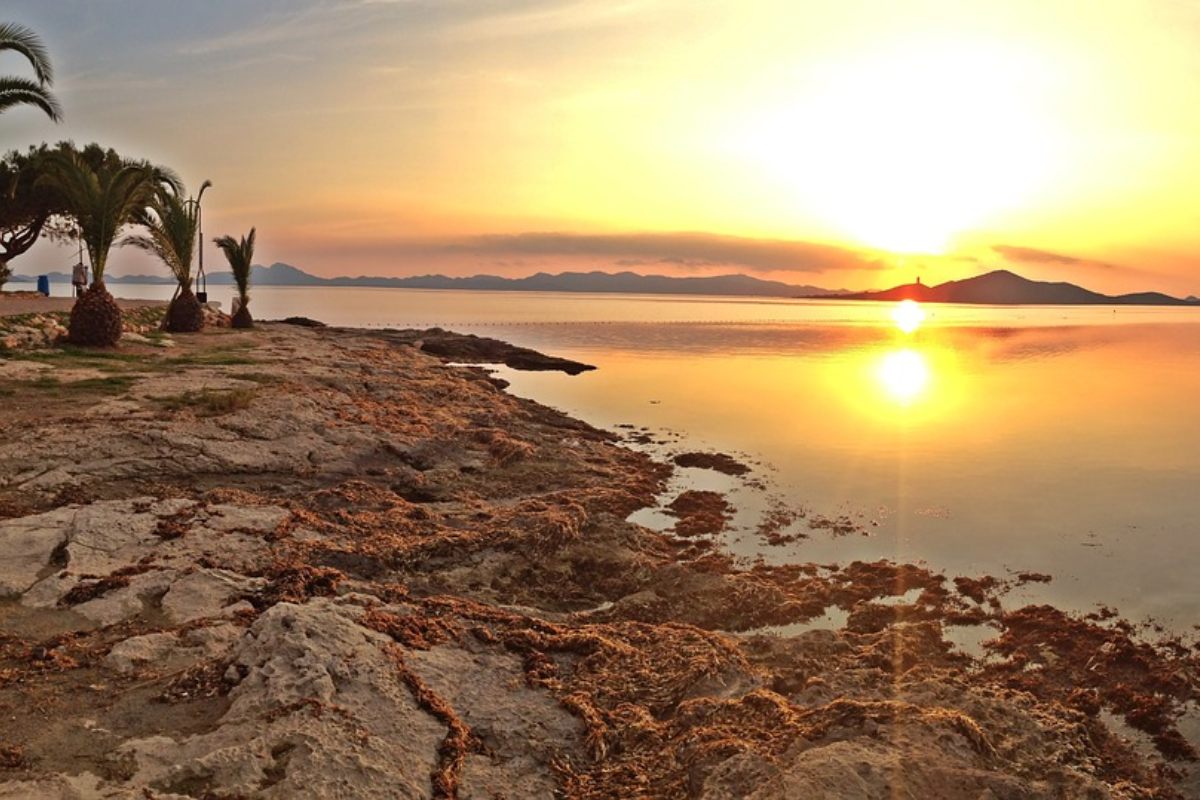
point(202, 279)
point(79, 238)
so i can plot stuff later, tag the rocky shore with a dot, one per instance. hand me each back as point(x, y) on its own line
point(308, 562)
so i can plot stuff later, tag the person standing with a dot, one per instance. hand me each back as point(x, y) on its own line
point(79, 279)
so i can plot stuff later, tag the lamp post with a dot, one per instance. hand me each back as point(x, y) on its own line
point(201, 278)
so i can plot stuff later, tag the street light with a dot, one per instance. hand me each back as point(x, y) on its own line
point(201, 278)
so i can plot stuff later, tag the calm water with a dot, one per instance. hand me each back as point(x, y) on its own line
point(1057, 440)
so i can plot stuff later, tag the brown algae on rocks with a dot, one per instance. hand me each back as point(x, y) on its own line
point(384, 577)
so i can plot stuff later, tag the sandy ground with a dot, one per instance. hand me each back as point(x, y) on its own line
point(296, 562)
point(14, 303)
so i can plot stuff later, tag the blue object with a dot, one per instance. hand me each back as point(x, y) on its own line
point(44, 284)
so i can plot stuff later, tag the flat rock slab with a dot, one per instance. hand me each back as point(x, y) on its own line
point(27, 546)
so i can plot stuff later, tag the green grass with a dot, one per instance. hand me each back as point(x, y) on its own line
point(71, 356)
point(224, 356)
point(112, 384)
point(209, 402)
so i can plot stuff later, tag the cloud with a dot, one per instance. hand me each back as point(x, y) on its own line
point(317, 23)
point(552, 16)
point(1031, 255)
point(688, 250)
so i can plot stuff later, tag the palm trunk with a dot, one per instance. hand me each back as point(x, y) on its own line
point(95, 318)
point(242, 318)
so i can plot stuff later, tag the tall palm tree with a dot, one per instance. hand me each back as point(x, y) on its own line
point(171, 222)
point(102, 199)
point(15, 91)
point(240, 254)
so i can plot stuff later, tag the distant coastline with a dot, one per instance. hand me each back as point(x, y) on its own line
point(999, 287)
point(280, 274)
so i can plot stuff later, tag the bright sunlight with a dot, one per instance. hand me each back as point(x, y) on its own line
point(908, 315)
point(904, 375)
point(905, 149)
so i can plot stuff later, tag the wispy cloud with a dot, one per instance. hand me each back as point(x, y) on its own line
point(316, 22)
point(549, 17)
point(689, 251)
point(1032, 255)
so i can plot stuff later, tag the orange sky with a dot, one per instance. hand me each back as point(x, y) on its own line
point(853, 143)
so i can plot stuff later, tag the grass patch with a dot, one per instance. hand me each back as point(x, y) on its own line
point(112, 384)
point(209, 402)
point(96, 354)
point(68, 355)
point(215, 358)
point(109, 385)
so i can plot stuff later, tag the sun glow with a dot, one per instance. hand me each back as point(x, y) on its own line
point(906, 149)
point(904, 375)
point(908, 315)
point(913, 385)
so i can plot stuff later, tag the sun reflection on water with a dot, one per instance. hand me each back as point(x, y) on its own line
point(904, 375)
point(908, 315)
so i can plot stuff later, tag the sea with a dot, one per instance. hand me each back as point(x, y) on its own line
point(979, 441)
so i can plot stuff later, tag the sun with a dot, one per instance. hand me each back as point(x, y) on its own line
point(905, 149)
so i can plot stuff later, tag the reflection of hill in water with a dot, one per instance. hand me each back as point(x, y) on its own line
point(992, 344)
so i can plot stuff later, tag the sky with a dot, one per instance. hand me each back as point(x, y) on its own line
point(837, 143)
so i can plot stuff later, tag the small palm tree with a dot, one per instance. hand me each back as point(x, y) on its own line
point(102, 199)
point(240, 254)
point(171, 222)
point(15, 91)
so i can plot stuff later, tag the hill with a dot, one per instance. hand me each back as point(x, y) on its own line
point(1002, 287)
point(280, 274)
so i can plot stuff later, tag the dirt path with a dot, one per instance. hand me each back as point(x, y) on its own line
point(17, 303)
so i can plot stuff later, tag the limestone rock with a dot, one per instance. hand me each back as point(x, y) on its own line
point(322, 712)
point(203, 593)
point(27, 546)
point(128, 655)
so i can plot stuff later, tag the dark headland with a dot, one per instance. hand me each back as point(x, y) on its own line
point(1005, 288)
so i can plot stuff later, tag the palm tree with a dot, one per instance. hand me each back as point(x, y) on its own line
point(15, 91)
point(171, 222)
point(101, 198)
point(240, 255)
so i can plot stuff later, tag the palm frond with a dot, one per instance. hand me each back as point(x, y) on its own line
point(101, 200)
point(165, 176)
point(22, 40)
point(240, 255)
point(170, 222)
point(24, 92)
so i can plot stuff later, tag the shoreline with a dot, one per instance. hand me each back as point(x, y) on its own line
point(300, 559)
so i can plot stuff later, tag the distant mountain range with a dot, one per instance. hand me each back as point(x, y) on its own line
point(1000, 287)
point(279, 274)
point(1004, 288)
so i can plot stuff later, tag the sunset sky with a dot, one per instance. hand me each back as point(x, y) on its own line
point(850, 143)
